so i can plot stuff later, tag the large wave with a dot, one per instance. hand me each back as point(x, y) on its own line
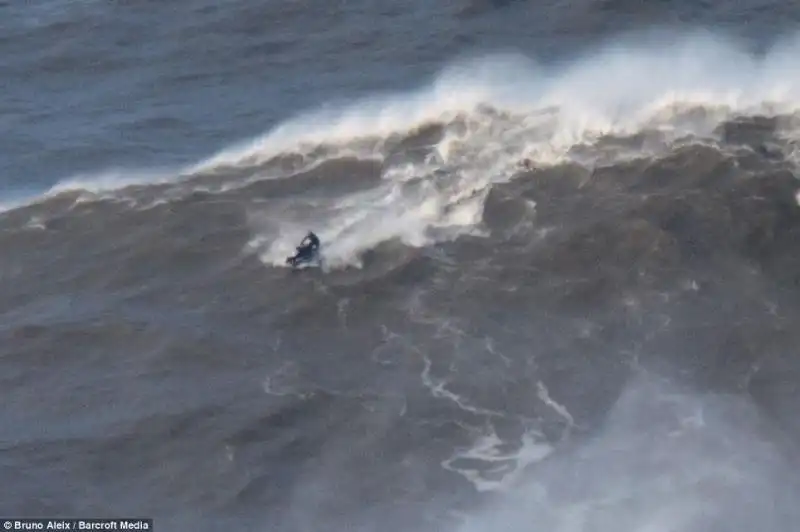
point(436, 151)
point(624, 101)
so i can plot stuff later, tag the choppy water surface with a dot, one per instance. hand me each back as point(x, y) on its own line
point(561, 276)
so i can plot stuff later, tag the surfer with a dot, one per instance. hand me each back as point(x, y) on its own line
point(307, 248)
point(309, 243)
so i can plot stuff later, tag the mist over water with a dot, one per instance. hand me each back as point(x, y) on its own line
point(664, 460)
point(559, 290)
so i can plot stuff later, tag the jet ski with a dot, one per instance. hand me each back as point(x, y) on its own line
point(304, 258)
point(308, 253)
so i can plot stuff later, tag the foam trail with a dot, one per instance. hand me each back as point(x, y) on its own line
point(358, 223)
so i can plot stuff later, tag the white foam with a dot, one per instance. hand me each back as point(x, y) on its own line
point(94, 186)
point(111, 180)
point(415, 216)
point(438, 389)
point(544, 395)
point(507, 467)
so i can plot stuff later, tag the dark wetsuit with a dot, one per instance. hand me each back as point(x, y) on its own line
point(313, 241)
point(306, 251)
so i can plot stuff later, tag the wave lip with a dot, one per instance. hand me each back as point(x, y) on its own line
point(622, 87)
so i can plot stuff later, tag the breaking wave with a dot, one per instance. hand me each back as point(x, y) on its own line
point(416, 167)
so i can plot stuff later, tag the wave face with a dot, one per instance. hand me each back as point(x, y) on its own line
point(557, 297)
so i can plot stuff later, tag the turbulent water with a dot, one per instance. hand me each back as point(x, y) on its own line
point(561, 278)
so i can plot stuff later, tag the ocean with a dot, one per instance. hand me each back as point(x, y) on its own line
point(561, 247)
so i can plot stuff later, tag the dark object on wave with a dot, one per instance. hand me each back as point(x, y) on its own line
point(304, 259)
point(308, 253)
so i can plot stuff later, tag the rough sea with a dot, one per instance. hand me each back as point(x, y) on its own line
point(561, 289)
